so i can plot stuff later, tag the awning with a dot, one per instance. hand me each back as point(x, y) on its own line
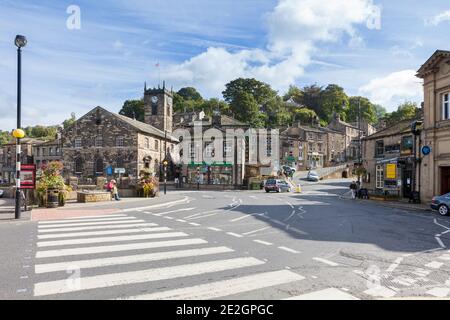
point(392, 160)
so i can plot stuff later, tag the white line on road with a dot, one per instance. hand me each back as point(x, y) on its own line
point(180, 220)
point(255, 231)
point(326, 294)
point(142, 276)
point(111, 239)
point(263, 242)
point(116, 248)
point(161, 205)
point(174, 211)
point(434, 265)
point(194, 224)
point(226, 287)
point(100, 233)
point(137, 225)
point(84, 218)
point(288, 249)
point(214, 229)
point(103, 262)
point(234, 234)
point(246, 216)
point(199, 214)
point(328, 262)
point(394, 265)
point(66, 222)
point(81, 224)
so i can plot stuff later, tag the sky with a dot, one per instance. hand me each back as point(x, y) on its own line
point(81, 54)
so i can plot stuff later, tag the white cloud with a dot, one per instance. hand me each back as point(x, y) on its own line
point(437, 19)
point(394, 89)
point(295, 29)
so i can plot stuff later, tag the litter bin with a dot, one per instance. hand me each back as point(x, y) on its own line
point(52, 198)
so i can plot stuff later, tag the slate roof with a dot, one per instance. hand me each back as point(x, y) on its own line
point(430, 64)
point(399, 128)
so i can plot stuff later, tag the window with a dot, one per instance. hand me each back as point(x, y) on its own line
point(99, 141)
point(227, 147)
point(77, 143)
point(156, 145)
point(147, 143)
point(379, 184)
point(446, 106)
point(43, 151)
point(379, 148)
point(119, 162)
point(119, 141)
point(209, 149)
point(99, 165)
point(407, 145)
point(154, 109)
point(78, 165)
point(192, 150)
point(50, 151)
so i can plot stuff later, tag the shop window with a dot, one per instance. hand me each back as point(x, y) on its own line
point(446, 106)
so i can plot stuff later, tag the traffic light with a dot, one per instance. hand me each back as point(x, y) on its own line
point(417, 127)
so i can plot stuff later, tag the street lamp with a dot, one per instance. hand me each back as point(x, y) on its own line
point(20, 42)
point(165, 164)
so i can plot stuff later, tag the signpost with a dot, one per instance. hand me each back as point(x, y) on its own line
point(28, 176)
point(426, 150)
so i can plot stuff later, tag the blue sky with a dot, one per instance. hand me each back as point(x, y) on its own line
point(206, 43)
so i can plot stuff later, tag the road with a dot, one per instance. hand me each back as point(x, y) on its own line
point(233, 245)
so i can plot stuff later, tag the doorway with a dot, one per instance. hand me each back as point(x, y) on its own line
point(445, 180)
point(407, 182)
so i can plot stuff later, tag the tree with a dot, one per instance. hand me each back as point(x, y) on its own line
point(133, 109)
point(245, 108)
point(213, 104)
point(41, 132)
point(380, 111)
point(304, 115)
point(368, 111)
point(261, 92)
point(67, 123)
point(406, 111)
point(190, 93)
point(311, 98)
point(332, 100)
point(5, 137)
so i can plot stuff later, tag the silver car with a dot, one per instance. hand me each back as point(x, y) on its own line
point(313, 176)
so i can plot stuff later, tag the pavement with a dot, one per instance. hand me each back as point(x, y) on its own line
point(231, 245)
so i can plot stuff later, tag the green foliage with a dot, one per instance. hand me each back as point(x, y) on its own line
point(68, 122)
point(333, 100)
point(368, 110)
point(133, 109)
point(41, 132)
point(405, 111)
point(304, 115)
point(190, 93)
point(5, 137)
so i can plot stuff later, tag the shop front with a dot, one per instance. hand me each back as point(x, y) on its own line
point(210, 174)
point(394, 177)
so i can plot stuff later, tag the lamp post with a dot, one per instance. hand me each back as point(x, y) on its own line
point(20, 42)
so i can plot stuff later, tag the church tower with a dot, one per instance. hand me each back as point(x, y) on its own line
point(158, 108)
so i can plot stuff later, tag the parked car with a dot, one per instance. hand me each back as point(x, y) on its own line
point(441, 204)
point(288, 169)
point(313, 176)
point(277, 186)
point(1, 193)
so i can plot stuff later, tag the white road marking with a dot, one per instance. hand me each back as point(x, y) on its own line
point(255, 231)
point(225, 288)
point(180, 220)
point(137, 225)
point(199, 214)
point(246, 216)
point(438, 239)
point(326, 294)
point(263, 242)
point(434, 265)
point(161, 205)
point(84, 218)
point(100, 233)
point(103, 262)
point(288, 249)
point(204, 216)
point(64, 222)
point(174, 211)
point(142, 276)
point(445, 257)
point(328, 262)
point(214, 229)
point(194, 224)
point(116, 248)
point(81, 224)
point(404, 280)
point(234, 234)
point(55, 243)
point(380, 291)
point(394, 265)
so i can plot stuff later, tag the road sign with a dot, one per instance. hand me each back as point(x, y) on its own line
point(426, 150)
point(28, 176)
point(119, 170)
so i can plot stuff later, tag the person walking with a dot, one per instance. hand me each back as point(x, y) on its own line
point(353, 188)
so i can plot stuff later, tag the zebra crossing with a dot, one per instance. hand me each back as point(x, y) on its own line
point(79, 255)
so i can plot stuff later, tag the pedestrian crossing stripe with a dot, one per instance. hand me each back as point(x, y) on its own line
point(225, 288)
point(107, 218)
point(120, 226)
point(116, 248)
point(54, 243)
point(104, 262)
point(143, 276)
point(80, 224)
point(86, 217)
point(99, 233)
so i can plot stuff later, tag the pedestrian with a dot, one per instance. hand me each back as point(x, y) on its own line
point(115, 191)
point(177, 181)
point(353, 188)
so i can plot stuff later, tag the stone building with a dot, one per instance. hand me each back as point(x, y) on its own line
point(352, 136)
point(46, 152)
point(208, 172)
point(303, 147)
point(335, 153)
point(435, 167)
point(8, 159)
point(388, 157)
point(101, 141)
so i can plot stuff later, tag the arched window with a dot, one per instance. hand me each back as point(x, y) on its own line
point(99, 165)
point(79, 165)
